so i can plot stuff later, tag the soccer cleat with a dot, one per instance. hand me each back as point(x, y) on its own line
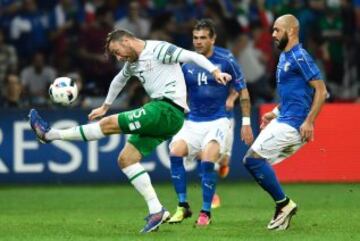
point(216, 202)
point(223, 171)
point(153, 221)
point(203, 220)
point(282, 216)
point(39, 125)
point(180, 214)
point(285, 225)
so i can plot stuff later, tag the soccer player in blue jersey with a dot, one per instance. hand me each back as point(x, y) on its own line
point(290, 125)
point(205, 130)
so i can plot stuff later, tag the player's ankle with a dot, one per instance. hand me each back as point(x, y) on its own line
point(184, 204)
point(208, 213)
point(283, 203)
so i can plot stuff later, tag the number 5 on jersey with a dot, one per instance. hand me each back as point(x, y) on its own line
point(136, 114)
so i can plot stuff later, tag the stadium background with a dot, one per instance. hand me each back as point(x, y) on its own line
point(40, 40)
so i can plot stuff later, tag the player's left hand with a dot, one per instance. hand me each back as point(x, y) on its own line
point(247, 134)
point(307, 131)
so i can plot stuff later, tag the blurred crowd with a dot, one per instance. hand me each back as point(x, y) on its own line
point(41, 40)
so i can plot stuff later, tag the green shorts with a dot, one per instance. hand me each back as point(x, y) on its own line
point(151, 124)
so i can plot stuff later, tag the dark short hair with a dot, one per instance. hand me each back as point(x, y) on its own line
point(117, 35)
point(207, 24)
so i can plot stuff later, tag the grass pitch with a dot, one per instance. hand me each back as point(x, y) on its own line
point(115, 212)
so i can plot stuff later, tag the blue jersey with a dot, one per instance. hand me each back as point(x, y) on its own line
point(227, 53)
point(207, 97)
point(294, 72)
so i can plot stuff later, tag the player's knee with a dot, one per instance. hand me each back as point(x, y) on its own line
point(128, 156)
point(179, 148)
point(213, 147)
point(109, 125)
point(124, 160)
point(249, 154)
point(211, 151)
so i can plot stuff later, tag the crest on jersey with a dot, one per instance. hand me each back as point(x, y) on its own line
point(287, 66)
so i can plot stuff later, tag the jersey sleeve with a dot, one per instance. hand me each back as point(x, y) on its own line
point(167, 53)
point(187, 56)
point(117, 84)
point(234, 69)
point(307, 66)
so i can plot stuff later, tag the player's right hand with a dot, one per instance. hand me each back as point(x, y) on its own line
point(98, 112)
point(266, 118)
point(246, 134)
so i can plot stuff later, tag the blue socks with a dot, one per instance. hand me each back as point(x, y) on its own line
point(178, 176)
point(264, 174)
point(208, 184)
point(208, 181)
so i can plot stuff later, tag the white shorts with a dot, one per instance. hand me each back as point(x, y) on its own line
point(198, 134)
point(277, 142)
point(230, 138)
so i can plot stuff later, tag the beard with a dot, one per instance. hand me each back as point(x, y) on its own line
point(281, 44)
point(133, 56)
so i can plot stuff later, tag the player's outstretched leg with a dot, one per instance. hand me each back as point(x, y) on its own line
point(45, 134)
point(265, 176)
point(39, 126)
point(178, 176)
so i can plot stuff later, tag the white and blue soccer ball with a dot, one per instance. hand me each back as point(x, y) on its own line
point(63, 91)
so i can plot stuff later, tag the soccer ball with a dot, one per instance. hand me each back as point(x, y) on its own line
point(63, 91)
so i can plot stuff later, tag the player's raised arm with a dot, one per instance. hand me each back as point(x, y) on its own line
point(201, 60)
point(117, 84)
point(169, 54)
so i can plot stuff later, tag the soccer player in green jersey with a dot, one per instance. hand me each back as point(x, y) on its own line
point(156, 65)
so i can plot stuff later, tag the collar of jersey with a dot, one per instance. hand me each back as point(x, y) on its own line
point(294, 48)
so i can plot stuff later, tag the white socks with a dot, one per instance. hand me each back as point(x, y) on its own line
point(87, 132)
point(140, 179)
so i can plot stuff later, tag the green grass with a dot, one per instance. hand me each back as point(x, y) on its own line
point(115, 212)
